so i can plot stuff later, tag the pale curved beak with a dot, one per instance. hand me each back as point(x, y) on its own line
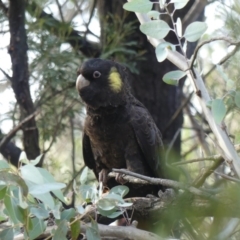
point(81, 82)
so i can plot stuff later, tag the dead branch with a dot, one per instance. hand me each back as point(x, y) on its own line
point(11, 134)
point(164, 182)
point(226, 39)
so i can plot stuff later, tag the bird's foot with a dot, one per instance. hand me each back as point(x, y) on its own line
point(119, 178)
point(103, 176)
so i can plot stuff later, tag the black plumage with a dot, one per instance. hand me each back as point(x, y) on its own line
point(119, 132)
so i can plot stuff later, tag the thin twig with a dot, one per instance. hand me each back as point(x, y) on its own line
point(165, 182)
point(4, 8)
point(176, 114)
point(223, 60)
point(11, 134)
point(226, 39)
point(6, 75)
point(60, 10)
point(227, 177)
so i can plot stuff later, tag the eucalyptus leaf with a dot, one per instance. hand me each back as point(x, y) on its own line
point(7, 234)
point(173, 77)
point(4, 165)
point(92, 232)
point(162, 50)
point(36, 160)
point(153, 14)
point(46, 198)
point(45, 187)
point(156, 29)
point(120, 190)
point(237, 99)
point(114, 214)
point(31, 173)
point(61, 232)
point(68, 214)
point(106, 204)
point(179, 27)
point(218, 110)
point(75, 229)
point(38, 228)
point(39, 211)
point(3, 192)
point(14, 180)
point(194, 31)
point(23, 158)
point(139, 6)
point(83, 177)
point(125, 204)
point(179, 4)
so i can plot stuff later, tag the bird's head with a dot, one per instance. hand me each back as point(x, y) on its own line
point(102, 83)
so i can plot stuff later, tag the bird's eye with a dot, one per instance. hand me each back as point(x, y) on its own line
point(96, 74)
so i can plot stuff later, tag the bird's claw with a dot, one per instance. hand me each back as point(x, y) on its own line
point(119, 178)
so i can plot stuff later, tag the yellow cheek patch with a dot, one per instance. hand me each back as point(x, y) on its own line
point(115, 80)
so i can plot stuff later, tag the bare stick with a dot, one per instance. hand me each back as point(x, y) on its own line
point(226, 39)
point(164, 182)
point(11, 134)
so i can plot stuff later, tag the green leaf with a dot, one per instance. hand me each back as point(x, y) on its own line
point(37, 229)
point(140, 6)
point(162, 50)
point(45, 187)
point(194, 31)
point(39, 211)
point(173, 77)
point(179, 27)
point(61, 232)
point(179, 4)
point(32, 174)
point(4, 165)
point(3, 192)
point(49, 178)
point(125, 204)
point(14, 212)
point(92, 232)
point(237, 99)
point(114, 214)
point(120, 190)
point(218, 110)
point(23, 158)
point(80, 209)
point(14, 180)
point(36, 160)
point(75, 228)
point(157, 29)
point(117, 198)
point(161, 4)
point(7, 234)
point(231, 85)
point(153, 15)
point(68, 214)
point(88, 192)
point(56, 211)
point(106, 204)
point(222, 73)
point(83, 177)
point(47, 199)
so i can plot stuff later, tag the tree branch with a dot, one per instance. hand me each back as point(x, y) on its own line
point(20, 77)
point(226, 39)
point(89, 49)
point(165, 182)
point(12, 133)
point(227, 149)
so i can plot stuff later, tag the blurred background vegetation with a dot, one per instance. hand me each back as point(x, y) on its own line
point(61, 34)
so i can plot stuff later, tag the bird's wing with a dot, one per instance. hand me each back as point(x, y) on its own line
point(88, 154)
point(148, 137)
